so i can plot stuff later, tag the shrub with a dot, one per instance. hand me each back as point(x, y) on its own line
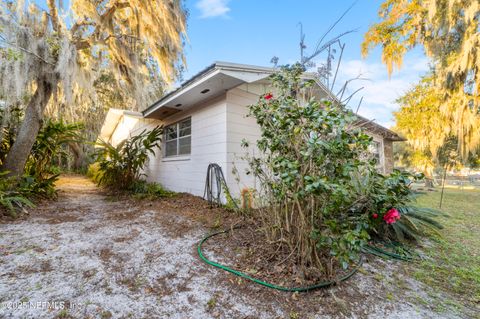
point(38, 188)
point(51, 143)
point(120, 166)
point(144, 190)
point(384, 194)
point(11, 198)
point(41, 169)
point(321, 195)
point(17, 193)
point(310, 149)
point(93, 172)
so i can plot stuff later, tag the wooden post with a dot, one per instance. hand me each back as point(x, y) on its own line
point(443, 184)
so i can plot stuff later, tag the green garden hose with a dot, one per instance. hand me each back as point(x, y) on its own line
point(379, 252)
point(266, 284)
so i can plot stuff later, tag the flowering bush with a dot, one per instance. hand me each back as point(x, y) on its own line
point(389, 199)
point(310, 149)
point(391, 216)
point(268, 96)
point(321, 195)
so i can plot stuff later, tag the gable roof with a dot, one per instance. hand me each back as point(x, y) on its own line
point(223, 76)
point(113, 117)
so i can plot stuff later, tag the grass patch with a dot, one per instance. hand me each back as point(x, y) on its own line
point(453, 262)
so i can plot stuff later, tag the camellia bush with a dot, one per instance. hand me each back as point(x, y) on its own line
point(389, 201)
point(321, 196)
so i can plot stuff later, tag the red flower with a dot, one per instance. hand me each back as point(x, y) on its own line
point(391, 216)
point(375, 216)
point(268, 96)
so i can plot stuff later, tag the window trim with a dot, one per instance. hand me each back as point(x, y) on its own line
point(177, 156)
point(381, 154)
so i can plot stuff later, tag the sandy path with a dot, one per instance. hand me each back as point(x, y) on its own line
point(98, 257)
point(104, 259)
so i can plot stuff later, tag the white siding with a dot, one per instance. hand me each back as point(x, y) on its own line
point(218, 128)
point(241, 127)
point(379, 139)
point(125, 127)
point(187, 173)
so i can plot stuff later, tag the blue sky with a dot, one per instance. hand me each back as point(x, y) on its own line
point(253, 31)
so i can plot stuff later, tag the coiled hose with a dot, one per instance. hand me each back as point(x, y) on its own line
point(323, 284)
point(214, 184)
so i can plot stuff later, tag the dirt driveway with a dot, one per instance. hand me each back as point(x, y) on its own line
point(89, 255)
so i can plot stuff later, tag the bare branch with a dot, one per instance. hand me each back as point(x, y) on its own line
point(80, 24)
point(326, 45)
point(302, 42)
point(54, 15)
point(85, 43)
point(344, 87)
point(347, 100)
point(334, 24)
point(358, 106)
point(342, 48)
point(25, 50)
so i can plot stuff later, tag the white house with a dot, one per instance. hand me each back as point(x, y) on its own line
point(205, 122)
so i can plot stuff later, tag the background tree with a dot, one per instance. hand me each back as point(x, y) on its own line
point(406, 157)
point(426, 128)
point(91, 112)
point(419, 118)
point(45, 53)
point(448, 30)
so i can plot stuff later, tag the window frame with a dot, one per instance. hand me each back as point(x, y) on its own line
point(381, 156)
point(176, 126)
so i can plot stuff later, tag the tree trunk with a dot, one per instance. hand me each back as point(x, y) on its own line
point(78, 156)
point(27, 134)
point(429, 182)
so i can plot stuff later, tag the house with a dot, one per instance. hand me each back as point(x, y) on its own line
point(205, 122)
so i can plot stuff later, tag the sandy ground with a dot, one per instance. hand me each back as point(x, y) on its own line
point(92, 256)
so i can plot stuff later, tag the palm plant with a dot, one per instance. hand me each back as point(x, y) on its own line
point(120, 166)
point(416, 222)
point(10, 197)
point(51, 144)
point(377, 194)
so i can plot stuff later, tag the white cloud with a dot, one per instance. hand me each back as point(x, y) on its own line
point(380, 92)
point(213, 8)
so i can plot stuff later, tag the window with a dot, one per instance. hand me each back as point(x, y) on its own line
point(375, 149)
point(178, 138)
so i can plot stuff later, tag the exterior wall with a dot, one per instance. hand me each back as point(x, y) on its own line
point(379, 139)
point(218, 128)
point(388, 151)
point(187, 173)
point(240, 127)
point(125, 127)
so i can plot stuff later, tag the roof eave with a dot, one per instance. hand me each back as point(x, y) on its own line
point(219, 66)
point(205, 72)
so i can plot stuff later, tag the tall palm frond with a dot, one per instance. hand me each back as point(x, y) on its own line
point(416, 222)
